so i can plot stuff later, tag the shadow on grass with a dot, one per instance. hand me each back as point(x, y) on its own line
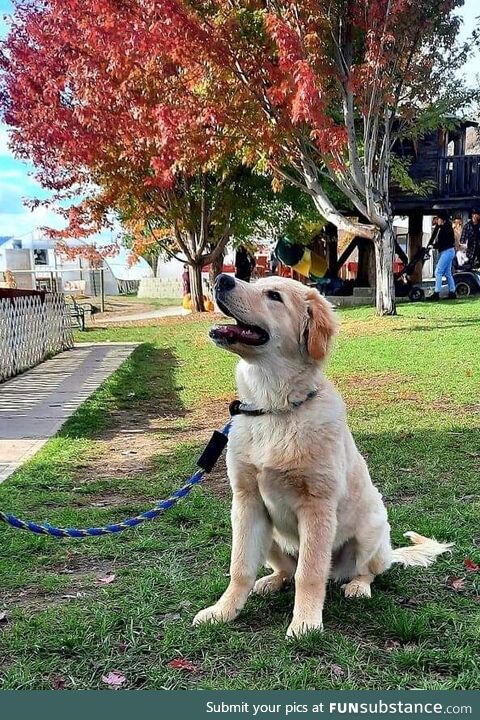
point(439, 324)
point(142, 389)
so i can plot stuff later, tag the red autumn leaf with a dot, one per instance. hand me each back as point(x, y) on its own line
point(182, 664)
point(114, 679)
point(456, 583)
point(107, 579)
point(470, 566)
point(58, 683)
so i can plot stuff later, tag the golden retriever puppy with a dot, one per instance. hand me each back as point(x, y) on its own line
point(303, 501)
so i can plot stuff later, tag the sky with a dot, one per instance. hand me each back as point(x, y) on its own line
point(17, 183)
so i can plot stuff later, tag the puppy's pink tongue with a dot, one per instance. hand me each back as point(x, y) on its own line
point(236, 333)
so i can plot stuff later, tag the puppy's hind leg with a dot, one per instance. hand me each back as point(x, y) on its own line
point(372, 558)
point(359, 586)
point(283, 567)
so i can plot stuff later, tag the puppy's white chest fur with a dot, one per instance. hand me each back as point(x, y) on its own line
point(280, 501)
point(279, 456)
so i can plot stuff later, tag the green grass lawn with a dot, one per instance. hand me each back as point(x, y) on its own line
point(412, 386)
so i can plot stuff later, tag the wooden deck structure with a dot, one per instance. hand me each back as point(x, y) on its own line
point(451, 182)
point(440, 160)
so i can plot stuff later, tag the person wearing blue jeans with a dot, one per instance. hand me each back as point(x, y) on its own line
point(444, 241)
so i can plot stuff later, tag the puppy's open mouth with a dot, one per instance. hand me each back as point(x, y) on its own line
point(239, 333)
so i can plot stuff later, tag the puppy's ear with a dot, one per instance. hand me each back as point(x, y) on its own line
point(321, 327)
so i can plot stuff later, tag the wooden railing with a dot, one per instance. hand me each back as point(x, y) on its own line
point(459, 176)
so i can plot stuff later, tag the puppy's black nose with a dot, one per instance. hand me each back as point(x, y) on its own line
point(224, 283)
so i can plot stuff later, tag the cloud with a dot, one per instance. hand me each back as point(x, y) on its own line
point(4, 149)
point(26, 221)
point(10, 200)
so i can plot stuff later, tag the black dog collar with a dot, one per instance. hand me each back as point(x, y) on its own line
point(238, 408)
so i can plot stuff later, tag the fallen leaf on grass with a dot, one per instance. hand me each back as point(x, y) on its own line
point(169, 616)
point(107, 579)
point(409, 601)
point(58, 683)
point(392, 645)
point(337, 671)
point(74, 596)
point(182, 664)
point(456, 583)
point(470, 566)
point(114, 679)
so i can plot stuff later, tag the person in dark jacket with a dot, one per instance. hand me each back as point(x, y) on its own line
point(186, 280)
point(444, 241)
point(244, 264)
point(471, 237)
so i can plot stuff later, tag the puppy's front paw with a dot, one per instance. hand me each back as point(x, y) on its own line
point(298, 628)
point(213, 614)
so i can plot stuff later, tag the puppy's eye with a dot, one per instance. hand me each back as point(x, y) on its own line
point(274, 295)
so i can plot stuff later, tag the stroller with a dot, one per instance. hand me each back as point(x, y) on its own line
point(403, 285)
point(467, 278)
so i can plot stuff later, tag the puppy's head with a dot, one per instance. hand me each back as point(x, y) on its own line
point(273, 315)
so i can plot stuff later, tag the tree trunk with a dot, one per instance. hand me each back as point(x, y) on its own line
point(216, 268)
point(385, 285)
point(196, 288)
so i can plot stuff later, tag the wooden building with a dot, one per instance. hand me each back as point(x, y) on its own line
point(449, 174)
point(451, 178)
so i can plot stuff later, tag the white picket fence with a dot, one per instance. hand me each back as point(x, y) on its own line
point(31, 331)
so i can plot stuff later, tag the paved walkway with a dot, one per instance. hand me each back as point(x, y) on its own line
point(35, 405)
point(150, 315)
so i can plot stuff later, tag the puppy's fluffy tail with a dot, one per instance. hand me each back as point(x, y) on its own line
point(423, 551)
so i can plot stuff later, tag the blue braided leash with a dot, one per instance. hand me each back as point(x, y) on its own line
point(213, 451)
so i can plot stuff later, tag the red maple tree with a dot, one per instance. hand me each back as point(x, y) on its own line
point(91, 97)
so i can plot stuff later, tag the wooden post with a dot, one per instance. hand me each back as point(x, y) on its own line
point(366, 263)
point(102, 290)
point(332, 256)
point(415, 240)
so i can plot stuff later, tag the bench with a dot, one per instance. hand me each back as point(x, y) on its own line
point(78, 311)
